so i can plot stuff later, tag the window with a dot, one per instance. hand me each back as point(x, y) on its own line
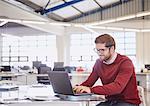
point(81, 49)
point(22, 51)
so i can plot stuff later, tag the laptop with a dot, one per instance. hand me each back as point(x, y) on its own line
point(63, 89)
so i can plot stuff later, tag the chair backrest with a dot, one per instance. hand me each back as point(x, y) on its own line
point(36, 64)
point(43, 79)
point(58, 64)
point(6, 68)
point(44, 70)
point(141, 94)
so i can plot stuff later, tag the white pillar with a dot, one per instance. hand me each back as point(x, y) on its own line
point(67, 48)
point(1, 44)
point(60, 48)
point(63, 47)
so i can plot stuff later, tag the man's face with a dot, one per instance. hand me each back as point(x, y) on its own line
point(105, 53)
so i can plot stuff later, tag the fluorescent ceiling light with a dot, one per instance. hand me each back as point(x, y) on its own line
point(119, 29)
point(115, 28)
point(3, 23)
point(107, 28)
point(60, 24)
point(10, 20)
point(33, 22)
point(96, 27)
point(9, 35)
point(125, 17)
point(140, 14)
point(143, 14)
point(102, 22)
point(23, 21)
point(91, 30)
point(132, 30)
point(78, 25)
point(145, 30)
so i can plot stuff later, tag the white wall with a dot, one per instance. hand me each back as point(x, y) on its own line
point(143, 48)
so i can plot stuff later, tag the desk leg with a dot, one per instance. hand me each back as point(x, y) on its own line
point(86, 103)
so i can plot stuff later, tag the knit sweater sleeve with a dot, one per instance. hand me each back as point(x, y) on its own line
point(125, 72)
point(92, 78)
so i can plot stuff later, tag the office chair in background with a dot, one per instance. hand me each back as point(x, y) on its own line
point(43, 79)
point(6, 69)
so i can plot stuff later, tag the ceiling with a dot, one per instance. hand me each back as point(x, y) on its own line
point(64, 11)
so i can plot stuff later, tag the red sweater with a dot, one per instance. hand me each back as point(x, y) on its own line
point(118, 79)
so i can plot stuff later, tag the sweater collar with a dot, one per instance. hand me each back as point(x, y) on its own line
point(112, 59)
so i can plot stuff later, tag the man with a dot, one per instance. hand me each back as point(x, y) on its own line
point(116, 73)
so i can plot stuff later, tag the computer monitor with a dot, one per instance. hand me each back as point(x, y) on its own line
point(58, 64)
point(36, 64)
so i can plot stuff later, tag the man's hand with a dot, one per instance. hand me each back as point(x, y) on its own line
point(81, 89)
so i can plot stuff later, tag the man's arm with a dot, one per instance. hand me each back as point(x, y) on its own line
point(91, 79)
point(85, 86)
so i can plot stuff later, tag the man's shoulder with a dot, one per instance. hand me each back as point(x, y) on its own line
point(122, 57)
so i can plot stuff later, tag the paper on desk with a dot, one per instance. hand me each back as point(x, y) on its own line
point(7, 101)
point(43, 98)
point(41, 92)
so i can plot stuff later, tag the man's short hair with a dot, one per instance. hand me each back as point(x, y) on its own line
point(106, 39)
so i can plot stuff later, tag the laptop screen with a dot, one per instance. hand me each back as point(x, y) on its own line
point(60, 82)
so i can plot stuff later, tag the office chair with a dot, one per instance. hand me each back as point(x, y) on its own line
point(43, 79)
point(141, 95)
point(58, 64)
point(36, 64)
point(6, 69)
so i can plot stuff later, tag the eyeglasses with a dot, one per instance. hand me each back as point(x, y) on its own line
point(99, 50)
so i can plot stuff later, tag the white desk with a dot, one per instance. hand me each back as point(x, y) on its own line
point(34, 91)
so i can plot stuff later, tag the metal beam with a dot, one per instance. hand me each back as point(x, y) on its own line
point(30, 4)
point(61, 6)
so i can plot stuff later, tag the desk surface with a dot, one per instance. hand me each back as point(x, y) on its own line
point(36, 92)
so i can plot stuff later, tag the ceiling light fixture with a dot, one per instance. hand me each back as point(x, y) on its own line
point(115, 28)
point(33, 22)
point(143, 14)
point(145, 30)
point(132, 30)
point(122, 18)
point(10, 20)
point(9, 35)
point(89, 29)
point(125, 17)
point(3, 23)
point(102, 22)
point(97, 27)
point(60, 24)
point(118, 29)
